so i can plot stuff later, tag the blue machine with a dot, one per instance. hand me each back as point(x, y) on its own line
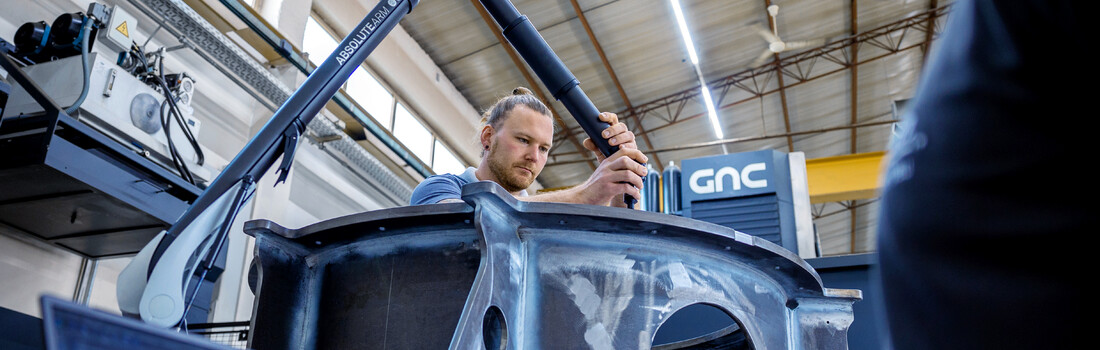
point(749, 192)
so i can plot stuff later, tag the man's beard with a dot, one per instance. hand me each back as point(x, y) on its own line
point(503, 173)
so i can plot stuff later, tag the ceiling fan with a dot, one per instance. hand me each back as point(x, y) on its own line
point(777, 45)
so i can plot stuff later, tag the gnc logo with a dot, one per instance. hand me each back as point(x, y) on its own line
point(713, 182)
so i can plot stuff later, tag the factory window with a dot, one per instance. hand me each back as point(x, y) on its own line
point(443, 161)
point(412, 133)
point(317, 42)
point(368, 93)
point(361, 85)
point(371, 95)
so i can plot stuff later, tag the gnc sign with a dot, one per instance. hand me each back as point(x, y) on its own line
point(705, 181)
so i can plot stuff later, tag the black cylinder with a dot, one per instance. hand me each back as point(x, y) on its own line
point(66, 29)
point(31, 37)
point(672, 189)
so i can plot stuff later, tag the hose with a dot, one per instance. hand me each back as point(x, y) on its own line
point(85, 32)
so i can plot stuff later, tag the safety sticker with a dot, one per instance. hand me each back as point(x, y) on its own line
point(122, 29)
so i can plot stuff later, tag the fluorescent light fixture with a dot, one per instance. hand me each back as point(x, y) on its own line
point(711, 113)
point(684, 31)
point(695, 62)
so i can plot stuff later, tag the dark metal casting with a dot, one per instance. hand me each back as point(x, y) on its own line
point(528, 275)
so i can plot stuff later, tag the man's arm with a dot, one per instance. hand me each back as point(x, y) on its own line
point(619, 174)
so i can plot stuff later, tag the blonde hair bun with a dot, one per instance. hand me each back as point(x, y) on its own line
point(521, 91)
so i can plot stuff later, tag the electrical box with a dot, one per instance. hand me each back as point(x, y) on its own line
point(119, 30)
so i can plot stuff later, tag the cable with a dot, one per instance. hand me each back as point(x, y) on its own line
point(157, 77)
point(85, 32)
point(206, 263)
point(165, 120)
point(179, 115)
point(177, 159)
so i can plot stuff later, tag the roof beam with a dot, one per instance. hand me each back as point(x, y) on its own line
point(844, 178)
point(545, 27)
point(615, 80)
point(819, 211)
point(530, 80)
point(740, 139)
point(795, 66)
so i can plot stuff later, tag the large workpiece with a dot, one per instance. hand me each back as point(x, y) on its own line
point(495, 272)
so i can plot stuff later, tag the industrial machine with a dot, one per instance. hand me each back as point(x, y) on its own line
point(124, 108)
point(97, 155)
point(762, 193)
point(129, 98)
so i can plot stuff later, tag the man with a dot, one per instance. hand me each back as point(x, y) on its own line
point(516, 135)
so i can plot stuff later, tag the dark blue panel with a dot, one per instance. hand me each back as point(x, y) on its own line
point(19, 331)
point(755, 215)
point(855, 272)
point(68, 326)
point(749, 192)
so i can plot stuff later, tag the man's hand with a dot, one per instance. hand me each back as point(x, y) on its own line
point(616, 135)
point(619, 174)
point(625, 165)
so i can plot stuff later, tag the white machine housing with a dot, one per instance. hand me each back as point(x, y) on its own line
point(107, 108)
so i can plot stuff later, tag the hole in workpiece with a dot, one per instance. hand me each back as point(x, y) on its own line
point(494, 329)
point(701, 326)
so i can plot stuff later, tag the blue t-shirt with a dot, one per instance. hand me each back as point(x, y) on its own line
point(443, 186)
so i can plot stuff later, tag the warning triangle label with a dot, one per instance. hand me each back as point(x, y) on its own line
point(122, 29)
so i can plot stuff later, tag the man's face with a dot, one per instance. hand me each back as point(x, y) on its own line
point(518, 149)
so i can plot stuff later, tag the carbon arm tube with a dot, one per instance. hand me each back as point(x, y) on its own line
point(279, 135)
point(554, 74)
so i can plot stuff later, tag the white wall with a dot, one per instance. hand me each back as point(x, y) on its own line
point(30, 269)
